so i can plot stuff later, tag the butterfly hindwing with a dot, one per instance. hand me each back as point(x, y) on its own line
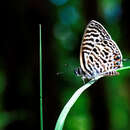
point(99, 54)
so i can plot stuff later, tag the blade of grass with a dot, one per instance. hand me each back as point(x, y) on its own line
point(70, 103)
point(73, 99)
point(123, 68)
point(40, 55)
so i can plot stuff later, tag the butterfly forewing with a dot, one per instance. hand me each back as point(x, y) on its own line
point(99, 54)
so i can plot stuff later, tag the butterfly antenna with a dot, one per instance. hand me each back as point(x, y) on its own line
point(59, 73)
point(126, 59)
point(68, 69)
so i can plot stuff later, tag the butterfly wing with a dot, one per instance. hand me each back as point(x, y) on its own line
point(105, 57)
point(98, 52)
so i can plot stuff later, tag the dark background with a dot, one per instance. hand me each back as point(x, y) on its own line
point(104, 106)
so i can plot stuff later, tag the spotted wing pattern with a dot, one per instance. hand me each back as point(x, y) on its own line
point(99, 54)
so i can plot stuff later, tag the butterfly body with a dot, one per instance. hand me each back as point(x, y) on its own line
point(99, 54)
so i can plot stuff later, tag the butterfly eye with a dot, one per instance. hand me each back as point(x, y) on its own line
point(78, 71)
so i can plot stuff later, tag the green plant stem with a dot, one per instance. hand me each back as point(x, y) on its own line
point(40, 55)
point(123, 68)
point(70, 103)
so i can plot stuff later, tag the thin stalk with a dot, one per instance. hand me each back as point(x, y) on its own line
point(70, 103)
point(40, 55)
point(123, 68)
point(73, 99)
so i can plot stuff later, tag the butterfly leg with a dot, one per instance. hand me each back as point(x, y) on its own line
point(83, 80)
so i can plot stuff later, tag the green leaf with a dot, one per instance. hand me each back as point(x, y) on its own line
point(73, 99)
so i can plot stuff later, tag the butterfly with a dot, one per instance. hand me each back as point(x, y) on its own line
point(99, 54)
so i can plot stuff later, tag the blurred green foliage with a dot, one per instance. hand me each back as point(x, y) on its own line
point(68, 30)
point(105, 106)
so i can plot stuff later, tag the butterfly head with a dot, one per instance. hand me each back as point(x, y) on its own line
point(79, 72)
